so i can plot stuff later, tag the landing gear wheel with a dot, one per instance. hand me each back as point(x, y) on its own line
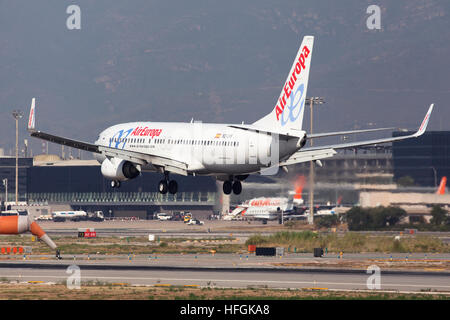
point(173, 186)
point(162, 187)
point(227, 187)
point(237, 187)
point(115, 184)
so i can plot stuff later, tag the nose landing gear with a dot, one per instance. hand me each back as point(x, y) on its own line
point(115, 184)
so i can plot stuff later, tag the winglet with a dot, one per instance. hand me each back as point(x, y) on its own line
point(31, 118)
point(424, 124)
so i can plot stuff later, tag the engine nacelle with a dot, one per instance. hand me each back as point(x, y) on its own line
point(119, 169)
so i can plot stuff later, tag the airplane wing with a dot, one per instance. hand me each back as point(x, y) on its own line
point(292, 133)
point(321, 152)
point(418, 133)
point(305, 156)
point(339, 133)
point(65, 141)
point(132, 156)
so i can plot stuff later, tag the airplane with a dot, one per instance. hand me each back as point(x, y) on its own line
point(268, 208)
point(229, 152)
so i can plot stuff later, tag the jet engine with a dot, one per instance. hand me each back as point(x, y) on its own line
point(119, 169)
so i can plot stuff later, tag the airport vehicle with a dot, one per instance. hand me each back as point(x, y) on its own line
point(97, 216)
point(229, 152)
point(163, 216)
point(187, 217)
point(61, 216)
point(44, 217)
point(195, 222)
point(177, 216)
point(323, 210)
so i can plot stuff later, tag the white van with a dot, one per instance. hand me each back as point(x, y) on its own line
point(163, 216)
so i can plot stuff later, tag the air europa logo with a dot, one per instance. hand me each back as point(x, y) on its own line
point(265, 202)
point(146, 132)
point(290, 84)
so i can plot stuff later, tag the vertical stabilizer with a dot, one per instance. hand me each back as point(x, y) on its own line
point(290, 106)
point(32, 117)
point(441, 189)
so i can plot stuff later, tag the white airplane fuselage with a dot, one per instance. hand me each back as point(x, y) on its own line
point(267, 208)
point(206, 148)
point(264, 208)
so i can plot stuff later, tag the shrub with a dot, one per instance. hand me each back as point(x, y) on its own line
point(327, 221)
point(256, 239)
point(373, 218)
point(439, 215)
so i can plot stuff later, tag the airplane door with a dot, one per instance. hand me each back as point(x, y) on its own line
point(253, 149)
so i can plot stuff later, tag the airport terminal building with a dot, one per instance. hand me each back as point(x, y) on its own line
point(425, 159)
point(80, 185)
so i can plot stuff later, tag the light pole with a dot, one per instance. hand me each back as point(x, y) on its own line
point(312, 101)
point(17, 114)
point(5, 183)
point(435, 176)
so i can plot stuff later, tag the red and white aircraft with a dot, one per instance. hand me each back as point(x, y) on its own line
point(230, 152)
point(270, 208)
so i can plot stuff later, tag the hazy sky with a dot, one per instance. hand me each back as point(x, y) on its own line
point(219, 61)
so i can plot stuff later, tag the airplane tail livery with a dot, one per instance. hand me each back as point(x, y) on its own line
point(441, 189)
point(299, 184)
point(290, 106)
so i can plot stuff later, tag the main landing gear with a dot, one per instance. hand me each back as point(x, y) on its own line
point(229, 186)
point(167, 185)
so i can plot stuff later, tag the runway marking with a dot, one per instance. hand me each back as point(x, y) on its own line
point(235, 280)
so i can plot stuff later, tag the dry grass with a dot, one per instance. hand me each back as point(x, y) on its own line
point(113, 292)
point(127, 245)
point(306, 241)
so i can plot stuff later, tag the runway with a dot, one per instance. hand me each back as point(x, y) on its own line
point(204, 274)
